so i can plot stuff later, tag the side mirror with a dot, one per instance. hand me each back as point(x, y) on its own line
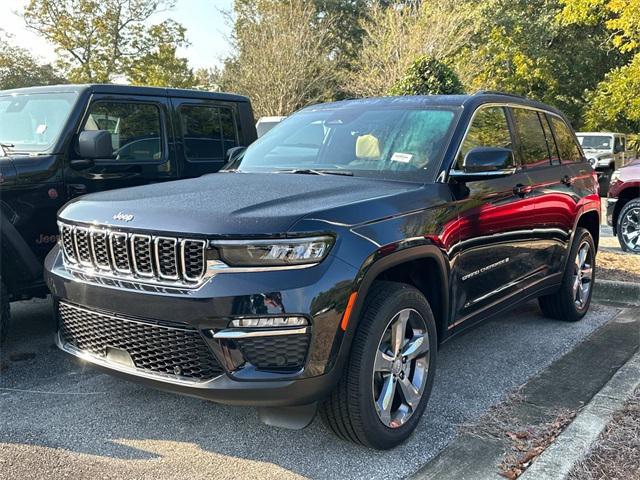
point(94, 144)
point(485, 162)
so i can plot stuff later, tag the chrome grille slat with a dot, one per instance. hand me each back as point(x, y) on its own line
point(161, 259)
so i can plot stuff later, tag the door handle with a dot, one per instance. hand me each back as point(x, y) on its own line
point(521, 190)
point(566, 180)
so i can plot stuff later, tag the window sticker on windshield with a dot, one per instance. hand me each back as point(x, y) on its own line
point(41, 129)
point(401, 157)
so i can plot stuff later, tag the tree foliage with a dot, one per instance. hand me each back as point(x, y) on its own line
point(18, 68)
point(99, 40)
point(428, 76)
point(281, 55)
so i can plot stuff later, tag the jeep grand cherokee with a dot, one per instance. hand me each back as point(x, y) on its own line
point(327, 264)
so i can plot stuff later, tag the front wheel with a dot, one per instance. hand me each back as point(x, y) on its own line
point(628, 227)
point(386, 385)
point(571, 302)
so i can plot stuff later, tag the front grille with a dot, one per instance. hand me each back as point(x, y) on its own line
point(287, 352)
point(163, 259)
point(154, 348)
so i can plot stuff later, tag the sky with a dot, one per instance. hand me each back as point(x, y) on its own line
point(206, 30)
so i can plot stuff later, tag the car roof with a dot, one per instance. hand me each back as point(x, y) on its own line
point(129, 90)
point(465, 101)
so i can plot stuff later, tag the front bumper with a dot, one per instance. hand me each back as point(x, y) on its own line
point(318, 294)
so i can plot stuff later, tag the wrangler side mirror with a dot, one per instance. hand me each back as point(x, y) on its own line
point(93, 144)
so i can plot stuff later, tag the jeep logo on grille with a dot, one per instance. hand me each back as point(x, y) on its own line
point(124, 217)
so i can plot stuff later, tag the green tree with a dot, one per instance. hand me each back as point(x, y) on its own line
point(281, 56)
point(428, 76)
point(18, 68)
point(522, 48)
point(99, 40)
point(614, 103)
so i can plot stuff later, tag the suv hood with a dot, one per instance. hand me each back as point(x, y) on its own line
point(240, 203)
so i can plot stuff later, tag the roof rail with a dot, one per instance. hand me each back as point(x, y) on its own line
point(496, 92)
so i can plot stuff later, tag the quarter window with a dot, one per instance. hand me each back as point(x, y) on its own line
point(208, 132)
point(569, 150)
point(489, 129)
point(533, 143)
point(135, 129)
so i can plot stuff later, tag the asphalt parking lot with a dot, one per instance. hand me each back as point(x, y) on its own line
point(59, 418)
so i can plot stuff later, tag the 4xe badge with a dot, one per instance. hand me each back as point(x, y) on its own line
point(123, 217)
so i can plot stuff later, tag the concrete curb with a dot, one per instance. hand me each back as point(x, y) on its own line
point(625, 293)
point(557, 461)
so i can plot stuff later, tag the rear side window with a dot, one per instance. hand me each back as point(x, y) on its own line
point(135, 128)
point(208, 131)
point(535, 152)
point(569, 150)
point(489, 128)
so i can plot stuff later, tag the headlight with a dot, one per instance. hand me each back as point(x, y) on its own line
point(274, 253)
point(615, 176)
point(593, 162)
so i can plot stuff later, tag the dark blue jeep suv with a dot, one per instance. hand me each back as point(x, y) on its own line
point(323, 268)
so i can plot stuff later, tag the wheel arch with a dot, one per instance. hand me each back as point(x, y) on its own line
point(591, 221)
point(424, 267)
point(625, 196)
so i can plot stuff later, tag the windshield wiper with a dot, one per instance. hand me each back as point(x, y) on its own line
point(310, 171)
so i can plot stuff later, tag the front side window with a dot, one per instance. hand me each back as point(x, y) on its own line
point(33, 122)
point(489, 128)
point(389, 142)
point(569, 150)
point(208, 131)
point(535, 152)
point(135, 128)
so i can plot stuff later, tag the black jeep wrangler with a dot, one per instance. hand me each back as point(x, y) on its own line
point(63, 141)
point(331, 258)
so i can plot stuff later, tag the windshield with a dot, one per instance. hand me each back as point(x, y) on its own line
point(389, 142)
point(595, 142)
point(33, 122)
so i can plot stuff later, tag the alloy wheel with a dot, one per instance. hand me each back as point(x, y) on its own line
point(401, 367)
point(583, 275)
point(630, 229)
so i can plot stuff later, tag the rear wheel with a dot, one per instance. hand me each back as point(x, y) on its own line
point(628, 226)
point(571, 302)
point(4, 312)
point(387, 382)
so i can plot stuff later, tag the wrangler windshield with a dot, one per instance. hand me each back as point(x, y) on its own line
point(33, 122)
point(595, 142)
point(387, 142)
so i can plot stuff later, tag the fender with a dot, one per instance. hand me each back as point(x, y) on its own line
point(376, 264)
point(21, 259)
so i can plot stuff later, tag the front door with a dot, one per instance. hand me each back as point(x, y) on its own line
point(492, 257)
point(142, 142)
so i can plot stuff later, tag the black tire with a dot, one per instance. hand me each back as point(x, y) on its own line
point(4, 312)
point(605, 181)
point(350, 411)
point(623, 227)
point(563, 305)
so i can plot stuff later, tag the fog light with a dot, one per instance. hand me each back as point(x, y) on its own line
point(269, 322)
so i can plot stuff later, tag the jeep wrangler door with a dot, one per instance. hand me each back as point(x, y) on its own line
point(205, 130)
point(141, 150)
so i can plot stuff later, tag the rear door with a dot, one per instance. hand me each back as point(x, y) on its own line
point(142, 141)
point(206, 130)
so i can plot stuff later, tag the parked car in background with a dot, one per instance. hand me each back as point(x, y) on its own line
point(606, 153)
point(332, 257)
point(265, 124)
point(60, 142)
point(623, 206)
